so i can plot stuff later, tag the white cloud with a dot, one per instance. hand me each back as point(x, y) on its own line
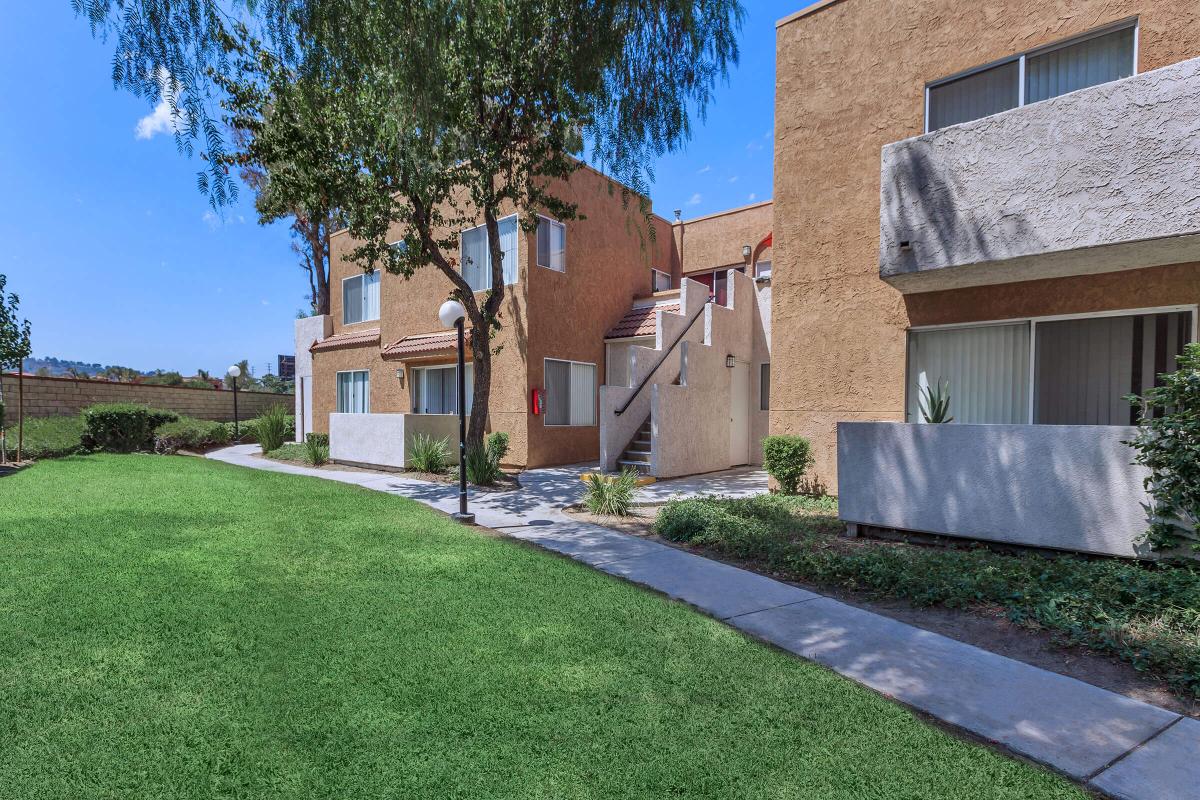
point(752, 197)
point(161, 120)
point(704, 169)
point(753, 146)
point(694, 200)
point(266, 302)
point(211, 220)
point(733, 179)
point(770, 132)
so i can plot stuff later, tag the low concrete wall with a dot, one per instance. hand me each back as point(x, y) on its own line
point(307, 330)
point(1067, 487)
point(380, 440)
point(53, 397)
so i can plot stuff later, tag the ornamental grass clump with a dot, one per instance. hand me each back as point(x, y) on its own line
point(611, 495)
point(316, 449)
point(427, 454)
point(272, 428)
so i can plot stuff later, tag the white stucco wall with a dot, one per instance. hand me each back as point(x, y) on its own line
point(380, 440)
point(307, 331)
point(1067, 487)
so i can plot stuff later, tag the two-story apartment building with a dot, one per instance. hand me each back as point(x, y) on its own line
point(1000, 198)
point(591, 304)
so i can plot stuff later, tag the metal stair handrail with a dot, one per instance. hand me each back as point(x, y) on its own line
point(663, 357)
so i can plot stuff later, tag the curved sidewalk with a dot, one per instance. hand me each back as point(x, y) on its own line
point(1113, 744)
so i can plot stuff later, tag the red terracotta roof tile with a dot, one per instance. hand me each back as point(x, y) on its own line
point(349, 339)
point(422, 344)
point(641, 321)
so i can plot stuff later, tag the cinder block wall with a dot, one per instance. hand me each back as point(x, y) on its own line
point(50, 397)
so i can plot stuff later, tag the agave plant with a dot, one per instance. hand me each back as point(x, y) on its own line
point(935, 403)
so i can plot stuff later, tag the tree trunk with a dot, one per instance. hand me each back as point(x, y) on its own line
point(481, 353)
point(318, 242)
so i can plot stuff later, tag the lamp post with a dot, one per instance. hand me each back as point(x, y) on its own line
point(452, 313)
point(234, 372)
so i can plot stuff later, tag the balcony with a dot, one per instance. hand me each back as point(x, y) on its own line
point(1099, 180)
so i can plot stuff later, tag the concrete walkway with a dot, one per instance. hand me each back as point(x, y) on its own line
point(1119, 746)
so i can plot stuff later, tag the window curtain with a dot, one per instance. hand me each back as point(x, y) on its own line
point(353, 392)
point(1087, 63)
point(583, 394)
point(371, 295)
point(475, 259)
point(352, 300)
point(977, 95)
point(986, 368)
point(508, 246)
point(435, 390)
point(558, 392)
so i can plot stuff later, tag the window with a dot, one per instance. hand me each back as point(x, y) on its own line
point(476, 263)
point(570, 392)
point(1099, 57)
point(353, 392)
point(360, 298)
point(435, 389)
point(764, 387)
point(659, 281)
point(551, 244)
point(762, 269)
point(1050, 371)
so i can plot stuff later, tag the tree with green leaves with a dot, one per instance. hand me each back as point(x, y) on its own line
point(15, 347)
point(441, 115)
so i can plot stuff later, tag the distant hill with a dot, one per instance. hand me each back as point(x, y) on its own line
point(59, 367)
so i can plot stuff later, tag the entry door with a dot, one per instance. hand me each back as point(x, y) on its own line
point(739, 414)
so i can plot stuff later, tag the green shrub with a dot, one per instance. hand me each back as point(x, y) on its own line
point(427, 454)
point(316, 449)
point(482, 469)
point(786, 459)
point(248, 430)
point(188, 433)
point(1168, 443)
point(271, 426)
point(48, 437)
point(122, 427)
point(497, 446)
point(611, 495)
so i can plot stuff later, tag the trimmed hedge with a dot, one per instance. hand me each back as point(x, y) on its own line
point(48, 437)
point(188, 433)
point(122, 427)
point(786, 459)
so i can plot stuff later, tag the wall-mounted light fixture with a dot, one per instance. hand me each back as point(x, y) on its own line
point(400, 376)
point(747, 251)
point(730, 361)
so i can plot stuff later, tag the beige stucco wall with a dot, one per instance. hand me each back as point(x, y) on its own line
point(716, 240)
point(851, 78)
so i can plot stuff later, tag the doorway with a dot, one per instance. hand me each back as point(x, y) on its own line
point(739, 414)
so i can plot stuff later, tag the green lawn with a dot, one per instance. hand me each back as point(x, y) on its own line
point(172, 627)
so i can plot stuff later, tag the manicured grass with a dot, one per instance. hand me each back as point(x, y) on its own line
point(1145, 614)
point(172, 627)
point(47, 437)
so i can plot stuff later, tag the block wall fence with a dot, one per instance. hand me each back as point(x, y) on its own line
point(50, 397)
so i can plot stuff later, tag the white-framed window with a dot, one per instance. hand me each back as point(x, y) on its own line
point(570, 392)
point(1099, 56)
point(435, 389)
point(762, 269)
point(354, 392)
point(1065, 370)
point(551, 244)
point(659, 281)
point(360, 298)
point(476, 256)
point(764, 387)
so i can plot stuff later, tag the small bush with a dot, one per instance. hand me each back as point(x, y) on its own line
point(247, 432)
point(48, 437)
point(611, 495)
point(122, 427)
point(427, 454)
point(497, 446)
point(272, 428)
point(786, 459)
point(188, 433)
point(482, 469)
point(316, 449)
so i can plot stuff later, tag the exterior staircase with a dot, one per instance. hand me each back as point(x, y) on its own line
point(637, 454)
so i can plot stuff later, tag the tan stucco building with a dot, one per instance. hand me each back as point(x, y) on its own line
point(998, 196)
point(380, 367)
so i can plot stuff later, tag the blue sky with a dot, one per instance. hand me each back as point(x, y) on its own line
point(118, 258)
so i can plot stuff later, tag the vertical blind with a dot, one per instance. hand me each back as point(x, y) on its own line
point(986, 369)
point(979, 94)
point(552, 244)
point(353, 392)
point(435, 389)
point(570, 393)
point(1077, 66)
point(476, 261)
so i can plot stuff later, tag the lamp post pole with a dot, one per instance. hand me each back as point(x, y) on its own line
point(233, 372)
point(452, 313)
